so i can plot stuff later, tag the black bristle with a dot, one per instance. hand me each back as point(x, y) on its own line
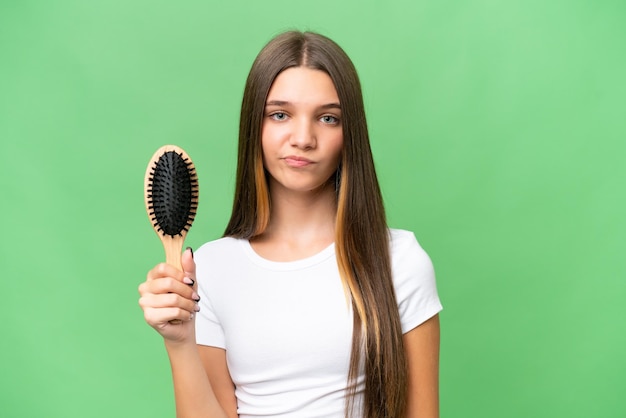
point(173, 186)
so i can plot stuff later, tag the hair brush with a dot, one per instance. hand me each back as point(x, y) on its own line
point(171, 195)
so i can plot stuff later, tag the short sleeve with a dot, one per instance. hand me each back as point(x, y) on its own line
point(208, 328)
point(414, 280)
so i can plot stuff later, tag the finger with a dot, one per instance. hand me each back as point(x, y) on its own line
point(164, 270)
point(168, 300)
point(156, 317)
point(189, 267)
point(168, 285)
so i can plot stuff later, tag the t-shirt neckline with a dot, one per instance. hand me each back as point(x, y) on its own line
point(310, 261)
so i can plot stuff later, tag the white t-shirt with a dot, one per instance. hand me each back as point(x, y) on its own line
point(287, 326)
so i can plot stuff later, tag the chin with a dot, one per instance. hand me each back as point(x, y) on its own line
point(304, 187)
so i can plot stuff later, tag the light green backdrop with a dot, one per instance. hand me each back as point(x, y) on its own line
point(499, 133)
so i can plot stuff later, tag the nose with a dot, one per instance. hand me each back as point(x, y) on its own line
point(303, 135)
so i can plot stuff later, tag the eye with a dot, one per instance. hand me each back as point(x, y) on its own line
point(329, 119)
point(278, 116)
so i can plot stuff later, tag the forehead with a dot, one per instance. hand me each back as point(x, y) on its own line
point(303, 85)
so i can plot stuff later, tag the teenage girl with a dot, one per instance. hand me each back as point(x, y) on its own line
point(309, 306)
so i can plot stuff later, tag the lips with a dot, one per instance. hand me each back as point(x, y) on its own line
point(295, 161)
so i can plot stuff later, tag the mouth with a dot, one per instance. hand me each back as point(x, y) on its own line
point(295, 161)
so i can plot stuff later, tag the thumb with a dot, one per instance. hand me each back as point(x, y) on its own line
point(188, 264)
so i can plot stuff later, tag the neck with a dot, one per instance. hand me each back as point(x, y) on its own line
point(295, 213)
point(301, 223)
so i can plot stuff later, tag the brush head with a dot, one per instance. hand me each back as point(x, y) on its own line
point(171, 191)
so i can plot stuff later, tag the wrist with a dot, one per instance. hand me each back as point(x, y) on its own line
point(175, 346)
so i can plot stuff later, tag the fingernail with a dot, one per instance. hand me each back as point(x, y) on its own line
point(189, 281)
point(197, 308)
point(191, 251)
point(190, 317)
point(195, 297)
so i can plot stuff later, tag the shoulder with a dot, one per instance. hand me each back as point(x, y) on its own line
point(217, 254)
point(400, 237)
point(218, 248)
point(406, 251)
point(413, 279)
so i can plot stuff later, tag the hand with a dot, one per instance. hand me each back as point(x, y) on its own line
point(169, 300)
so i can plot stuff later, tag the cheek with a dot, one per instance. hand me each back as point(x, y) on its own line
point(270, 138)
point(266, 142)
point(338, 147)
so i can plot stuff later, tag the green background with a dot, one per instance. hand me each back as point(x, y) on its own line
point(499, 134)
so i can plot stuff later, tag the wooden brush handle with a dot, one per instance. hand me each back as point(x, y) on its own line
point(173, 250)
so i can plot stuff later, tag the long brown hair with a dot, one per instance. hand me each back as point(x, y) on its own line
point(361, 236)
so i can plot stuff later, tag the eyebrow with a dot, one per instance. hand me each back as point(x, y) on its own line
point(285, 103)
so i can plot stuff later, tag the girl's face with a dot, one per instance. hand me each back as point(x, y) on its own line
point(301, 135)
